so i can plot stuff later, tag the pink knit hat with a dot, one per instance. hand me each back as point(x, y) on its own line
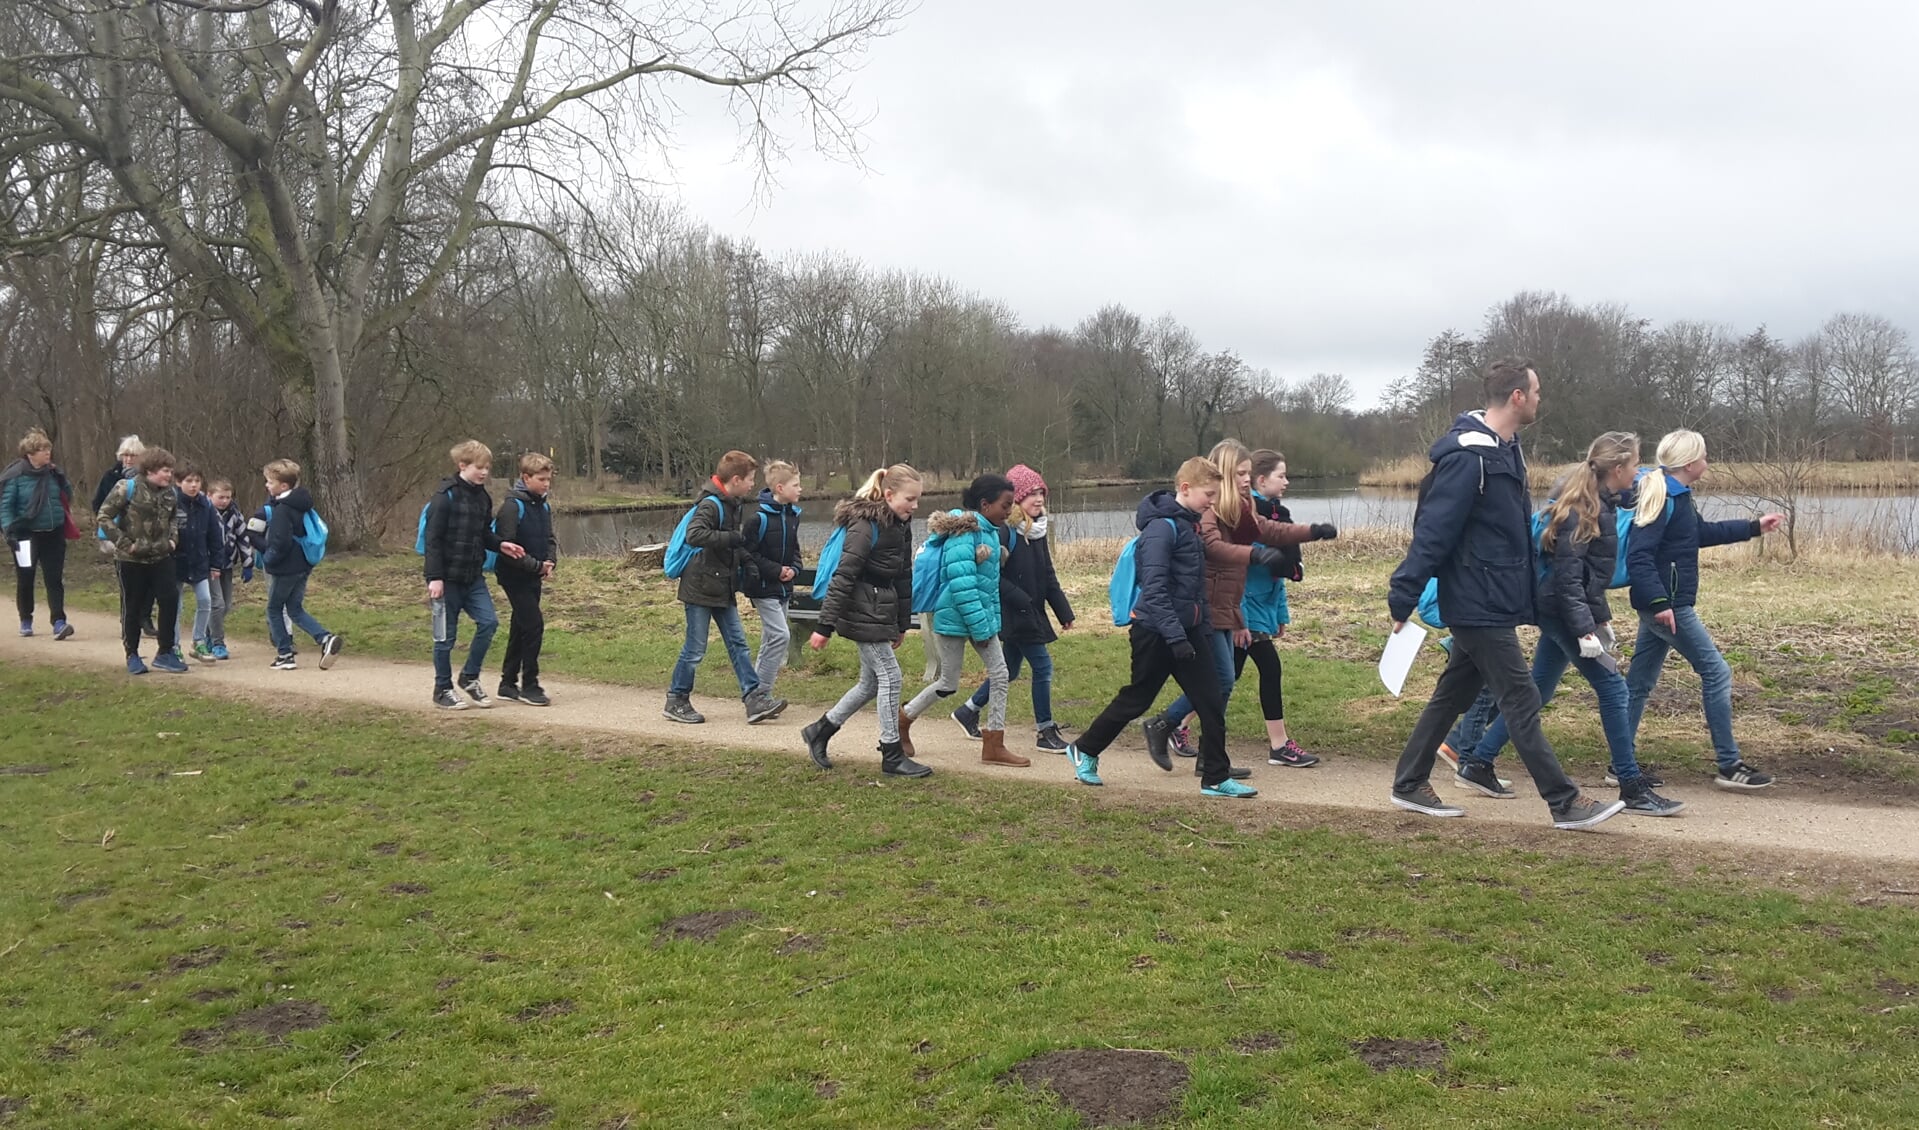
point(1026, 482)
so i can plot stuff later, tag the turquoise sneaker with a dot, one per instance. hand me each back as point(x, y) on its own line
point(1085, 766)
point(1229, 788)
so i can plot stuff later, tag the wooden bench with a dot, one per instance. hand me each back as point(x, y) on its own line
point(805, 610)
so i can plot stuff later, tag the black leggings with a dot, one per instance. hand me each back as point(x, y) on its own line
point(1272, 700)
point(50, 562)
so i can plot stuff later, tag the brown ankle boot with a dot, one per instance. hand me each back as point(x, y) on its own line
point(992, 750)
point(906, 736)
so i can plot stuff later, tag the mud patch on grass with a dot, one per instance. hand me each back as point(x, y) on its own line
point(544, 1010)
point(196, 959)
point(1382, 1054)
point(1107, 1087)
point(409, 889)
point(701, 927)
point(798, 943)
point(274, 1021)
point(1313, 958)
point(203, 996)
point(1258, 1042)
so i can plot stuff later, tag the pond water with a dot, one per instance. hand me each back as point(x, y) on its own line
point(1107, 512)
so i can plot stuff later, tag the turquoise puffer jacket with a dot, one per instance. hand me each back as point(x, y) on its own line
point(970, 555)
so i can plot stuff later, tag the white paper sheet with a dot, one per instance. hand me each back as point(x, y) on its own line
point(1396, 662)
point(23, 554)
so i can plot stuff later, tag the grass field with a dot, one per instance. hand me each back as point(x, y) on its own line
point(1825, 651)
point(220, 915)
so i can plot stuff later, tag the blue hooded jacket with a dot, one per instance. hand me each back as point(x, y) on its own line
point(970, 556)
point(1473, 530)
point(203, 538)
point(1171, 568)
point(1662, 559)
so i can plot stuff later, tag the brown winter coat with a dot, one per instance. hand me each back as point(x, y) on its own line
point(1230, 552)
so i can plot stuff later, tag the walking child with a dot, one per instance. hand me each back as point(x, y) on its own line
point(275, 532)
point(1028, 586)
point(202, 545)
point(968, 543)
point(1170, 623)
point(36, 512)
point(458, 536)
point(1663, 566)
point(139, 519)
point(707, 590)
point(236, 557)
point(772, 561)
point(1267, 613)
point(526, 519)
point(869, 600)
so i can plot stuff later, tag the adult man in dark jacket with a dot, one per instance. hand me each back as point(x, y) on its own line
point(708, 587)
point(1473, 530)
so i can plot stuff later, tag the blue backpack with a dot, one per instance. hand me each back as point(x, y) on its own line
point(1122, 592)
point(102, 534)
point(311, 539)
point(1623, 519)
point(929, 575)
point(1428, 608)
point(492, 560)
point(679, 554)
point(828, 563)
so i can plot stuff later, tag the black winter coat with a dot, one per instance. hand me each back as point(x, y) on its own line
point(112, 477)
point(1170, 564)
point(870, 596)
point(459, 532)
point(526, 520)
point(1662, 559)
point(203, 541)
point(772, 543)
point(712, 577)
point(1578, 574)
point(1474, 531)
point(281, 555)
point(1027, 586)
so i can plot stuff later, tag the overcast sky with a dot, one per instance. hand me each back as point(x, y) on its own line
point(1324, 186)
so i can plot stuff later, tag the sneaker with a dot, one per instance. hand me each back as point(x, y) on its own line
point(1584, 812)
point(220, 652)
point(534, 696)
point(472, 688)
point(62, 630)
point(968, 720)
point(170, 663)
point(1641, 800)
point(1183, 742)
point(1085, 766)
point(1229, 788)
point(1742, 777)
point(332, 646)
point(1048, 740)
point(135, 666)
point(1478, 777)
point(1158, 733)
point(779, 707)
point(1425, 800)
point(1446, 754)
point(285, 662)
point(1652, 779)
point(1291, 756)
point(1234, 772)
point(447, 700)
point(202, 652)
point(679, 708)
point(26, 627)
point(508, 692)
point(760, 706)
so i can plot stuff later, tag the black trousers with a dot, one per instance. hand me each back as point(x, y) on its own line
point(1153, 664)
point(525, 632)
point(1486, 657)
point(50, 561)
point(1272, 696)
point(142, 586)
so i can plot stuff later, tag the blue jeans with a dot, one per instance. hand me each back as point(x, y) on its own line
point(1036, 656)
point(286, 601)
point(699, 624)
point(1221, 645)
point(1557, 650)
point(476, 600)
point(206, 601)
point(1693, 641)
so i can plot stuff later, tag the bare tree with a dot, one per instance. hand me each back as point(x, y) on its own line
point(1873, 374)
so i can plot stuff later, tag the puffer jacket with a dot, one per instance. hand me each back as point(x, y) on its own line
point(1578, 573)
point(1028, 585)
point(1473, 530)
point(526, 520)
point(238, 547)
point(712, 577)
point(33, 500)
point(1171, 569)
point(1662, 559)
point(870, 596)
point(279, 545)
point(1229, 553)
point(970, 554)
point(772, 543)
point(202, 541)
point(1264, 606)
point(141, 528)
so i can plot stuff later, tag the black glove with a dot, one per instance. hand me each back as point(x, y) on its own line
point(1183, 650)
point(1269, 559)
point(1324, 531)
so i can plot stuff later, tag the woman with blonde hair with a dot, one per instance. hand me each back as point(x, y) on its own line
point(1662, 566)
point(36, 513)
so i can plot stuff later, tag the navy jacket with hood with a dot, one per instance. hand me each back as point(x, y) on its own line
point(281, 555)
point(203, 538)
point(1662, 559)
point(1473, 531)
point(1171, 569)
point(766, 554)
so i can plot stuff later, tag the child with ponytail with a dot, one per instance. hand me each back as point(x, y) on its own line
point(1266, 614)
point(1662, 565)
point(869, 600)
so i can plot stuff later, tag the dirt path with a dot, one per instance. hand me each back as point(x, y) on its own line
point(1771, 822)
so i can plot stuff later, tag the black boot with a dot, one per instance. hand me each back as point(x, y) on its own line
point(817, 735)
point(895, 763)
